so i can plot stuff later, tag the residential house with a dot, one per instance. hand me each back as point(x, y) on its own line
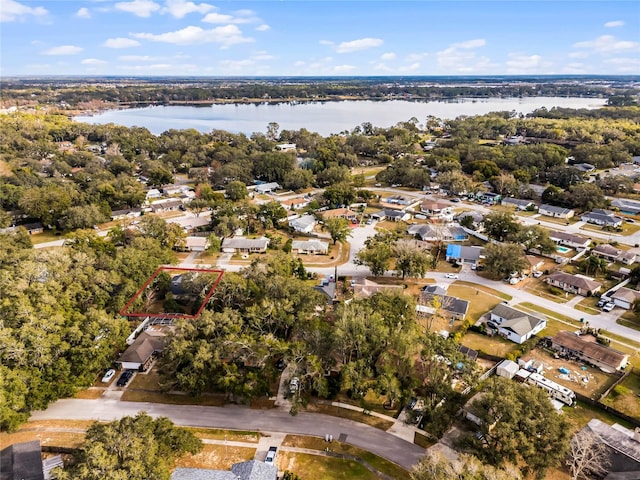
point(140, 354)
point(196, 244)
point(363, 288)
point(295, 203)
point(286, 147)
point(477, 219)
point(536, 263)
point(303, 224)
point(328, 288)
point(434, 299)
point(555, 212)
point(437, 211)
point(438, 233)
point(604, 218)
point(22, 461)
point(398, 202)
point(584, 167)
point(153, 193)
point(631, 207)
point(169, 190)
point(571, 345)
point(569, 240)
point(627, 257)
point(625, 297)
point(463, 254)
point(249, 470)
point(311, 247)
point(340, 213)
point(245, 245)
point(574, 283)
point(606, 251)
point(34, 228)
point(514, 324)
point(517, 203)
point(265, 188)
point(126, 213)
point(622, 447)
point(391, 215)
point(166, 206)
point(489, 198)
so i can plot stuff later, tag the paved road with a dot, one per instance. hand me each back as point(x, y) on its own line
point(242, 418)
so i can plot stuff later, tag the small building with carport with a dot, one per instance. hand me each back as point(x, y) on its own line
point(310, 247)
point(245, 245)
point(555, 212)
point(463, 254)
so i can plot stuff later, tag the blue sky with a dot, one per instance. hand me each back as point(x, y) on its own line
point(323, 38)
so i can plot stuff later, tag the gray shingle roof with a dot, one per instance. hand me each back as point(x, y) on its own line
point(253, 470)
point(202, 474)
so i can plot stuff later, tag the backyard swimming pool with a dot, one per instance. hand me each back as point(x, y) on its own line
point(563, 249)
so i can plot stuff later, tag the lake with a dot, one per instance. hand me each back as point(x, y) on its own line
point(322, 117)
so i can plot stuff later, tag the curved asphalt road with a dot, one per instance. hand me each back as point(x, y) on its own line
point(242, 418)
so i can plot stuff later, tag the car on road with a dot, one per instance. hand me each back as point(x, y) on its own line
point(124, 378)
point(294, 385)
point(608, 306)
point(108, 376)
point(455, 200)
point(451, 275)
point(271, 455)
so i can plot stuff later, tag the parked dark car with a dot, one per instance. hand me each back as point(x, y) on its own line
point(124, 378)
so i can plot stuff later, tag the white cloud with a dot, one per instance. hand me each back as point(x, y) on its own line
point(137, 58)
point(83, 13)
point(10, 11)
point(518, 64)
point(243, 16)
point(414, 57)
point(388, 56)
point(262, 56)
point(410, 68)
point(121, 42)
point(140, 8)
point(263, 28)
point(382, 67)
point(92, 61)
point(299, 63)
point(613, 24)
point(180, 8)
point(340, 69)
point(461, 57)
point(360, 44)
point(624, 65)
point(63, 50)
point(607, 44)
point(226, 36)
point(578, 55)
point(160, 67)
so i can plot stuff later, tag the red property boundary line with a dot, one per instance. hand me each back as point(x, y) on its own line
point(125, 310)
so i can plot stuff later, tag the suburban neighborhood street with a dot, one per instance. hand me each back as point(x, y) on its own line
point(368, 438)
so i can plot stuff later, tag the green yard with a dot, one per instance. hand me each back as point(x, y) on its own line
point(308, 466)
point(625, 397)
point(480, 302)
point(496, 345)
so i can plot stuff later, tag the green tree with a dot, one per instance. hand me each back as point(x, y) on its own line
point(519, 426)
point(501, 260)
point(134, 448)
point(501, 225)
point(236, 190)
point(410, 260)
point(338, 228)
point(376, 256)
point(535, 237)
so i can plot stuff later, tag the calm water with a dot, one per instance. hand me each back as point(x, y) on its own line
point(325, 118)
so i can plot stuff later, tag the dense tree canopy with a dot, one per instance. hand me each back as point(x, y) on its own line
point(132, 448)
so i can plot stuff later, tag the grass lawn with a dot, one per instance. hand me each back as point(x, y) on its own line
point(90, 393)
point(541, 289)
point(317, 443)
point(219, 457)
point(46, 236)
point(356, 416)
point(172, 399)
point(480, 302)
point(580, 415)
point(373, 402)
point(58, 433)
point(629, 319)
point(323, 468)
point(338, 254)
point(423, 441)
point(488, 290)
point(624, 397)
point(492, 345)
point(230, 435)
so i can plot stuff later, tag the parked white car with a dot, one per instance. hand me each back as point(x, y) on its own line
point(608, 307)
point(108, 376)
point(451, 275)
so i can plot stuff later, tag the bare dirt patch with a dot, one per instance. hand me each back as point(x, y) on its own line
point(219, 457)
point(596, 380)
